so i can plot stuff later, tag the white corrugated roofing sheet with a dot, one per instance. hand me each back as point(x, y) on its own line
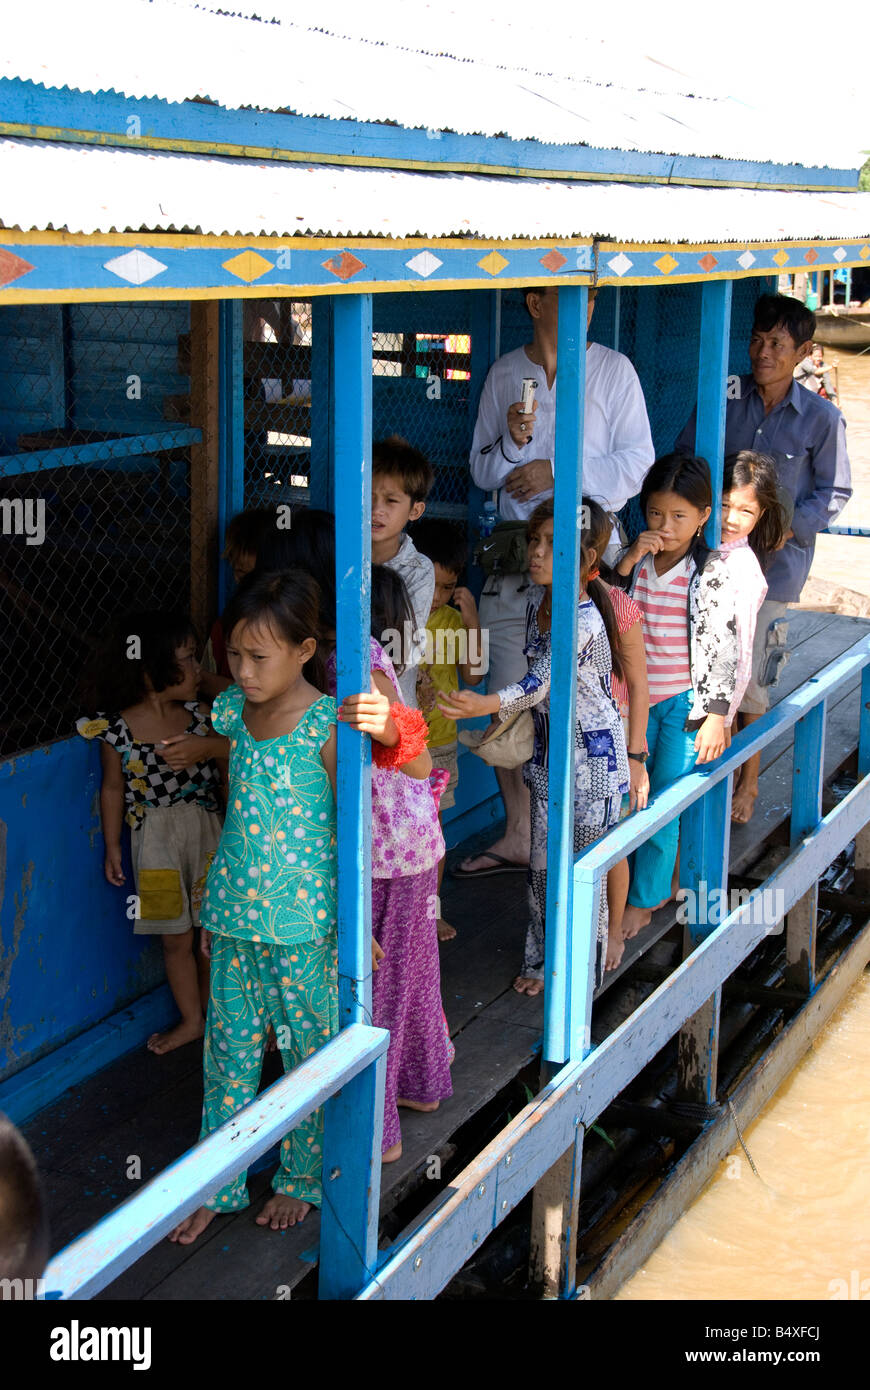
point(84, 188)
point(399, 68)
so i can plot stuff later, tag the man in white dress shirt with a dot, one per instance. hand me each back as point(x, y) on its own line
point(514, 453)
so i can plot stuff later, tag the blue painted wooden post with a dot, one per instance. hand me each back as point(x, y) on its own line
point(712, 382)
point(806, 812)
point(231, 456)
point(565, 1017)
point(322, 440)
point(352, 403)
point(353, 1130)
point(705, 828)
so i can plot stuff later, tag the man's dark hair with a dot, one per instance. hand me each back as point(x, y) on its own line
point(23, 1222)
point(442, 542)
point(781, 311)
point(396, 458)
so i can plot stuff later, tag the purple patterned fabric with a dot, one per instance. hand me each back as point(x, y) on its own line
point(406, 994)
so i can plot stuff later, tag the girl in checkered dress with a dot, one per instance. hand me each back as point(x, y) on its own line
point(147, 675)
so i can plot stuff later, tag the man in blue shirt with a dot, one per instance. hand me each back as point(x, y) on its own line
point(806, 437)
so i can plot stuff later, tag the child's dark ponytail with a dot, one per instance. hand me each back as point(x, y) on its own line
point(138, 651)
point(595, 535)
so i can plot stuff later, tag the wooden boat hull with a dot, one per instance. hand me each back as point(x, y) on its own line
point(843, 328)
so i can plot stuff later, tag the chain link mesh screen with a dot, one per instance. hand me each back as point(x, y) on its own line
point(94, 492)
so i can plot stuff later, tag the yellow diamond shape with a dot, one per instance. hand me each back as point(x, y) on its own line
point(666, 263)
point(864, 252)
point(248, 265)
point(494, 263)
point(781, 257)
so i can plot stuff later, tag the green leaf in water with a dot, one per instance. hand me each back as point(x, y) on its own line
point(596, 1129)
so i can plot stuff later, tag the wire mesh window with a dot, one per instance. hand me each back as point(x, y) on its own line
point(94, 492)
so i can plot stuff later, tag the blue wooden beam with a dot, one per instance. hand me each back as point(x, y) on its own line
point(92, 1261)
point(231, 440)
point(806, 812)
point(352, 424)
point(110, 118)
point(569, 969)
point(712, 381)
point(104, 451)
point(353, 1130)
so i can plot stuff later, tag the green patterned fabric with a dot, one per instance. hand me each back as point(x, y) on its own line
point(274, 875)
point(295, 988)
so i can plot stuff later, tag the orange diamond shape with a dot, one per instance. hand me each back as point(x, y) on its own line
point(344, 266)
point(12, 267)
point(707, 262)
point(864, 252)
point(248, 265)
point(811, 256)
point(554, 260)
point(666, 263)
point(781, 257)
point(494, 263)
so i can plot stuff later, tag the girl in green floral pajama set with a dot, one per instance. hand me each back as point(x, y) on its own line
point(270, 897)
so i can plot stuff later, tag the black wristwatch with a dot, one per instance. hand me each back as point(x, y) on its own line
point(639, 757)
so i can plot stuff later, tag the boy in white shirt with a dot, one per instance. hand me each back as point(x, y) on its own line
point(401, 480)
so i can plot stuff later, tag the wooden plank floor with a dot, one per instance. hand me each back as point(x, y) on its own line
point(148, 1107)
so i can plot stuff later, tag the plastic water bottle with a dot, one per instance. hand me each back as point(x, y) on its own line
point(487, 520)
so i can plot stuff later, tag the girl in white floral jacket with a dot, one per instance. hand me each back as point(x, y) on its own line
point(688, 601)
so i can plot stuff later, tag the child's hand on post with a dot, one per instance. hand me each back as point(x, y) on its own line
point(112, 866)
point(370, 714)
point(465, 704)
point(710, 739)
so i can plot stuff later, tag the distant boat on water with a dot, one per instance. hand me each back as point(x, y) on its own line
point(837, 326)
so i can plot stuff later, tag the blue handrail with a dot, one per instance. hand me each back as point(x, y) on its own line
point(352, 1156)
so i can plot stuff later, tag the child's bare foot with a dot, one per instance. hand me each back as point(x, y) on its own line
point(743, 802)
point(634, 919)
point(425, 1105)
point(445, 931)
point(186, 1231)
point(390, 1155)
point(282, 1211)
point(526, 984)
point(271, 1040)
point(176, 1037)
point(615, 949)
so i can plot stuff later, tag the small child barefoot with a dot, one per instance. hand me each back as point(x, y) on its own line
point(634, 919)
point(525, 984)
point(282, 1211)
point(615, 948)
point(390, 1155)
point(445, 931)
point(424, 1105)
point(186, 1231)
point(178, 1036)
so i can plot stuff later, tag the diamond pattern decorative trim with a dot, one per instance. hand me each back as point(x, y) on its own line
point(620, 265)
point(248, 266)
point(136, 267)
point(708, 262)
point(344, 266)
point(424, 264)
point(746, 260)
point(781, 257)
point(494, 263)
point(12, 267)
point(554, 260)
point(666, 263)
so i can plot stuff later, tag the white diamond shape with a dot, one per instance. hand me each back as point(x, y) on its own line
point(746, 260)
point(620, 264)
point(136, 267)
point(839, 254)
point(424, 264)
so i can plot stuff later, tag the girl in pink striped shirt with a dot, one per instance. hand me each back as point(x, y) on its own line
point(687, 595)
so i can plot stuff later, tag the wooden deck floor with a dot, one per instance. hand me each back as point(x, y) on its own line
point(149, 1107)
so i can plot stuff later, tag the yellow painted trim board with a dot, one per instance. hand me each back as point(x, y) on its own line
point(167, 144)
point(273, 291)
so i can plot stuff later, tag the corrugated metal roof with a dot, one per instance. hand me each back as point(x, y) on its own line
point(601, 94)
point(78, 188)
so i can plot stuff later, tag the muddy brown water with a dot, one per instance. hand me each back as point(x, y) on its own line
point(801, 1229)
